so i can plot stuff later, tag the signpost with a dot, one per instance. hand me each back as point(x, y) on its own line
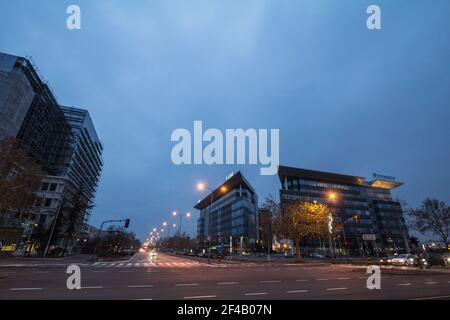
point(369, 237)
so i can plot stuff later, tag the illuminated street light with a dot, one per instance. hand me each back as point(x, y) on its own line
point(202, 186)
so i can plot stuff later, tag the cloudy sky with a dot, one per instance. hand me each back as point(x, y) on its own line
point(346, 99)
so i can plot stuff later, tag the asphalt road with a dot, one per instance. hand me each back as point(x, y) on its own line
point(169, 277)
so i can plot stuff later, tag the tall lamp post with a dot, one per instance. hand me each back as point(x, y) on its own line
point(202, 187)
point(187, 215)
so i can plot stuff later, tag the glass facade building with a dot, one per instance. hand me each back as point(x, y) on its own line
point(380, 215)
point(229, 214)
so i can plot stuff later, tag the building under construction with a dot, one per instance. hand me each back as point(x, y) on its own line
point(63, 140)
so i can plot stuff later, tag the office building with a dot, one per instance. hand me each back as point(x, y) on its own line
point(229, 215)
point(381, 217)
point(62, 140)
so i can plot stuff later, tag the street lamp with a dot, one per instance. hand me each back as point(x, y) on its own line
point(201, 187)
point(332, 196)
point(187, 215)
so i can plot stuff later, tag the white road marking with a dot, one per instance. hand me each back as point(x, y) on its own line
point(322, 279)
point(227, 283)
point(256, 293)
point(302, 280)
point(297, 291)
point(93, 287)
point(431, 282)
point(199, 297)
point(270, 281)
point(41, 271)
point(343, 278)
point(336, 289)
point(186, 284)
point(404, 284)
point(24, 289)
point(99, 271)
point(142, 286)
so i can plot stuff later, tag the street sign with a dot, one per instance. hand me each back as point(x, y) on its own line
point(369, 237)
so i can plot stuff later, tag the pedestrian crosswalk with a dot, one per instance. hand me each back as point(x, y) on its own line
point(171, 264)
point(187, 264)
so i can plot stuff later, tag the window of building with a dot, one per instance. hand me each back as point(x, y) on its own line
point(53, 187)
point(48, 202)
point(45, 186)
point(42, 218)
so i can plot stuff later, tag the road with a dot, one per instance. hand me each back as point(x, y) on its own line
point(170, 277)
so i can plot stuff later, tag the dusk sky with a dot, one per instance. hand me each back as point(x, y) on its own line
point(346, 99)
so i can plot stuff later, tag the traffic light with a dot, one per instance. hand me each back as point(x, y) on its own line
point(357, 219)
point(127, 223)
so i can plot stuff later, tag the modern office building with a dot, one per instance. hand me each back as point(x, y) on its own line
point(30, 113)
point(16, 94)
point(229, 214)
point(62, 139)
point(86, 162)
point(381, 217)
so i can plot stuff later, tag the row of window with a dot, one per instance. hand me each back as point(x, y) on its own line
point(46, 186)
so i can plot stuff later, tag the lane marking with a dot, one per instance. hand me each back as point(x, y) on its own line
point(186, 284)
point(404, 284)
point(431, 298)
point(297, 291)
point(302, 280)
point(93, 287)
point(142, 286)
point(256, 294)
point(99, 271)
point(430, 282)
point(343, 278)
point(41, 271)
point(322, 279)
point(226, 283)
point(336, 289)
point(24, 289)
point(200, 297)
point(270, 281)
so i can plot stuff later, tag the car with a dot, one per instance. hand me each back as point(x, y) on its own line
point(316, 255)
point(435, 259)
point(405, 260)
point(386, 260)
point(446, 258)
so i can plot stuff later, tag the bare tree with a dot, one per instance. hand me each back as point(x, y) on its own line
point(73, 214)
point(20, 177)
point(433, 216)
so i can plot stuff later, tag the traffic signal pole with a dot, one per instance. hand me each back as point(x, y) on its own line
point(127, 224)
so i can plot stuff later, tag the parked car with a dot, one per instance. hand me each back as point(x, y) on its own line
point(316, 255)
point(405, 260)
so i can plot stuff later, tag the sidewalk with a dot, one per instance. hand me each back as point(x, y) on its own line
point(23, 261)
